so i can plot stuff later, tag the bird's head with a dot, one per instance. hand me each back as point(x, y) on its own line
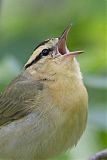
point(52, 59)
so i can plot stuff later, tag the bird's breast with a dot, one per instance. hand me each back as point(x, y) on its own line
point(70, 100)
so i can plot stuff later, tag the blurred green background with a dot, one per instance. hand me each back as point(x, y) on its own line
point(25, 23)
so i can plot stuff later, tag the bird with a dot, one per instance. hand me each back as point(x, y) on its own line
point(43, 111)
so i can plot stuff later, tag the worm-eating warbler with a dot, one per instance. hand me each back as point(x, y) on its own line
point(43, 111)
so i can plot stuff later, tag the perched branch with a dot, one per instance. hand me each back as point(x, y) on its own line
point(102, 155)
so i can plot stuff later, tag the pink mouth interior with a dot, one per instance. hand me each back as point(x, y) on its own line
point(62, 47)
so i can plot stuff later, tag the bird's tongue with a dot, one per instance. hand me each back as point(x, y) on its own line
point(62, 47)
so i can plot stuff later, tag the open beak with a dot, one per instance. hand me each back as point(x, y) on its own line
point(62, 47)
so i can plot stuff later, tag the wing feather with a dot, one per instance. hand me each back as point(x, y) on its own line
point(17, 99)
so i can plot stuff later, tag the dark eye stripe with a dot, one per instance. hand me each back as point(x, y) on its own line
point(41, 44)
point(38, 57)
point(34, 61)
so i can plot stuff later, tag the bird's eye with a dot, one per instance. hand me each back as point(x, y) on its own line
point(45, 52)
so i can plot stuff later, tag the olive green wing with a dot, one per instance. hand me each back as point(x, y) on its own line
point(18, 99)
